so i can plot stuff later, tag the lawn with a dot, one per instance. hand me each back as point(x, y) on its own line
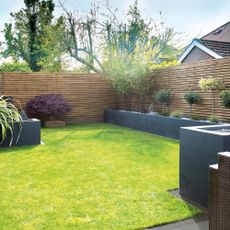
point(92, 176)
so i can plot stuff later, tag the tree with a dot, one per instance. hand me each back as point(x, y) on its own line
point(214, 85)
point(163, 97)
point(192, 98)
point(54, 60)
point(23, 37)
point(96, 39)
point(14, 66)
point(80, 38)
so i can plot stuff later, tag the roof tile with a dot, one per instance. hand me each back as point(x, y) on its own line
point(221, 48)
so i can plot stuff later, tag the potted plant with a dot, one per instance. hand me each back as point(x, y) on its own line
point(192, 98)
point(49, 108)
point(225, 99)
point(10, 121)
point(214, 85)
point(163, 97)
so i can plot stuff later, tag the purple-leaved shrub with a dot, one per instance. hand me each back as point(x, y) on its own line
point(47, 106)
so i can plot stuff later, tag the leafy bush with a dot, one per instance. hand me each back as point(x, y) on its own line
point(197, 117)
point(15, 67)
point(214, 85)
point(225, 99)
point(128, 75)
point(176, 114)
point(47, 107)
point(163, 97)
point(211, 83)
point(214, 119)
point(9, 116)
point(192, 98)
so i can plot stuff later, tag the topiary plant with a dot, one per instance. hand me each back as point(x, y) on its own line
point(192, 98)
point(214, 85)
point(163, 97)
point(47, 107)
point(225, 99)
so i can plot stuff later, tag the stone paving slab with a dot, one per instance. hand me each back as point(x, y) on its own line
point(196, 223)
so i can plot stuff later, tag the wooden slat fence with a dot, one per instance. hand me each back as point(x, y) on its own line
point(186, 76)
point(88, 95)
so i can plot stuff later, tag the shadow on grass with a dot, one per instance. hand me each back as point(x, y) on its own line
point(17, 149)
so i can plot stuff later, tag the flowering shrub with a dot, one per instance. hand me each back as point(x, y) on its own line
point(47, 106)
point(211, 83)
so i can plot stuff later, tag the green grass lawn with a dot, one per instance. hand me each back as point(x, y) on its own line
point(93, 176)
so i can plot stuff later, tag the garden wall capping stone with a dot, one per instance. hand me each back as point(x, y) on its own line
point(149, 122)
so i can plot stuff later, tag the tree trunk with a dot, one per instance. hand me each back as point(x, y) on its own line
point(117, 101)
point(190, 110)
point(213, 102)
point(128, 102)
point(142, 102)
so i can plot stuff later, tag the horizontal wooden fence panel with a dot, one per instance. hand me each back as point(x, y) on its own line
point(88, 94)
point(184, 77)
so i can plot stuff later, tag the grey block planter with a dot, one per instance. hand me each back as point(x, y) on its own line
point(30, 134)
point(152, 123)
point(198, 149)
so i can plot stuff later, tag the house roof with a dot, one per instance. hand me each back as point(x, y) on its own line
point(215, 43)
point(221, 48)
point(197, 43)
point(221, 34)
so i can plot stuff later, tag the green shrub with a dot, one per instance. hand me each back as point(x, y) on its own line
point(163, 97)
point(192, 98)
point(225, 99)
point(165, 113)
point(176, 114)
point(214, 85)
point(8, 116)
point(197, 117)
point(214, 119)
point(211, 83)
point(14, 67)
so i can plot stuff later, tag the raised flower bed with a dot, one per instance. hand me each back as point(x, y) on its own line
point(198, 149)
point(30, 134)
point(152, 123)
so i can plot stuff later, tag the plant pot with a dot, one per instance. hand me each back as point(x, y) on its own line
point(152, 123)
point(198, 149)
point(54, 123)
point(30, 134)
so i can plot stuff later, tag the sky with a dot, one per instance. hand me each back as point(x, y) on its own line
point(193, 18)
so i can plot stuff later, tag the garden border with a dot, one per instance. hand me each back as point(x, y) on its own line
point(153, 123)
